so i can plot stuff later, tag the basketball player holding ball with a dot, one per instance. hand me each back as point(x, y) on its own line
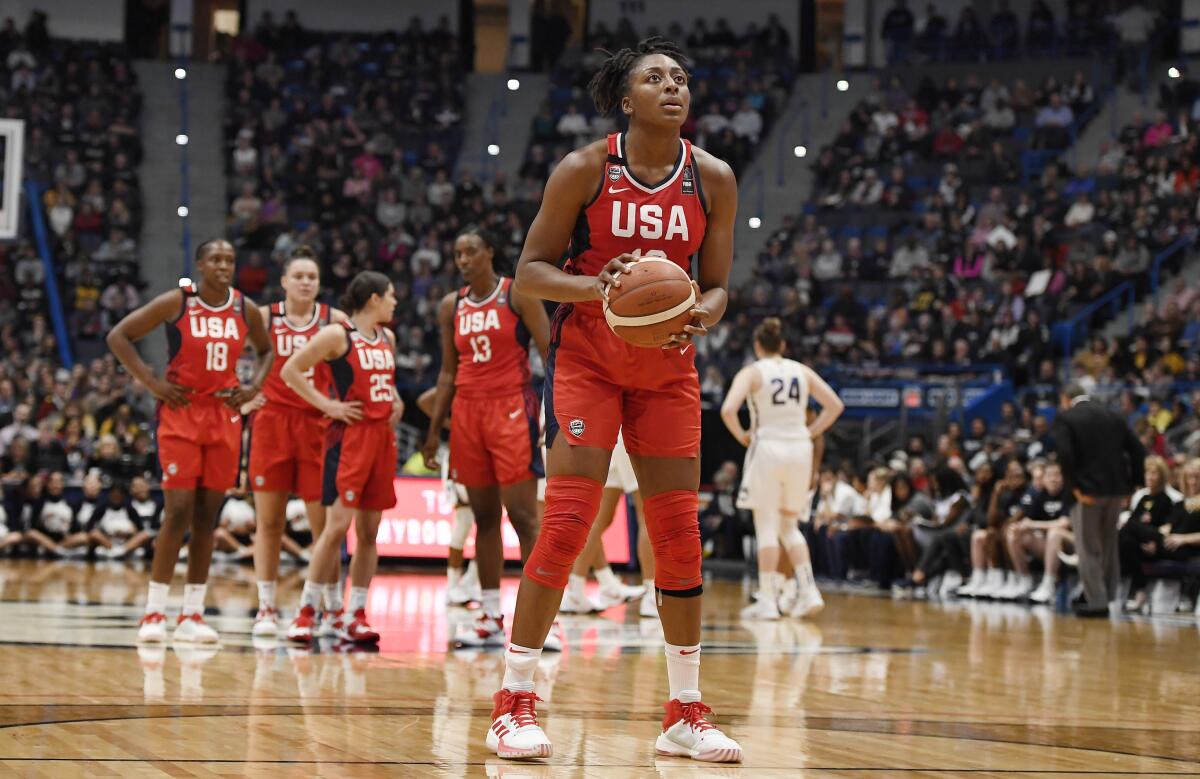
point(494, 454)
point(642, 193)
point(360, 443)
point(288, 434)
point(199, 422)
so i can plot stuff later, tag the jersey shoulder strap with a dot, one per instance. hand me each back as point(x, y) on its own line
point(324, 314)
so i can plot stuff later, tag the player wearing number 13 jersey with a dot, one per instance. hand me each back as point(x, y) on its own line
point(199, 421)
point(494, 430)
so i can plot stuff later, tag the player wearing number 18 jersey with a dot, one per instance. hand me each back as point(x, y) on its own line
point(199, 421)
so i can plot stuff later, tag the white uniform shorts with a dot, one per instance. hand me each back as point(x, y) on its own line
point(777, 476)
point(620, 473)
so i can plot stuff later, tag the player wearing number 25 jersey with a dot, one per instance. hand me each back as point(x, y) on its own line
point(200, 444)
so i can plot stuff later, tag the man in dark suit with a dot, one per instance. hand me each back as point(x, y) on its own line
point(1103, 463)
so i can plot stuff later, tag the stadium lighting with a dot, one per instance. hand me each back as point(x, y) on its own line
point(181, 139)
point(1173, 72)
point(493, 149)
point(754, 222)
point(842, 85)
point(185, 282)
point(800, 151)
point(514, 84)
point(180, 73)
point(182, 211)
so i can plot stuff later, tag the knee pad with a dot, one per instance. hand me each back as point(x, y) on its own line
point(673, 524)
point(463, 519)
point(571, 506)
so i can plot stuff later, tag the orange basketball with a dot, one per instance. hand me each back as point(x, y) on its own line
point(652, 303)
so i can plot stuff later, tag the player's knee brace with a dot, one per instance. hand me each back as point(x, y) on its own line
point(571, 506)
point(463, 519)
point(673, 524)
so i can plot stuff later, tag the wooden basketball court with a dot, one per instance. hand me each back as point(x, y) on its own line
point(872, 688)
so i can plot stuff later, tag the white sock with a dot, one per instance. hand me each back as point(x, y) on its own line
point(608, 580)
point(804, 576)
point(311, 595)
point(193, 598)
point(649, 585)
point(491, 602)
point(332, 593)
point(575, 584)
point(156, 598)
point(683, 672)
point(453, 575)
point(266, 595)
point(519, 664)
point(767, 589)
point(1050, 581)
point(358, 598)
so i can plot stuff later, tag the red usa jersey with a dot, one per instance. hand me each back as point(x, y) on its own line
point(492, 344)
point(287, 340)
point(628, 215)
point(366, 372)
point(205, 341)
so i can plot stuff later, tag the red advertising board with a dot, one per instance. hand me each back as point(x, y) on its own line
point(419, 526)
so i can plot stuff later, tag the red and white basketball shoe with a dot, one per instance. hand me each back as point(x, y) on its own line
point(192, 629)
point(486, 631)
point(301, 629)
point(687, 733)
point(332, 625)
point(515, 733)
point(359, 631)
point(554, 639)
point(266, 623)
point(152, 628)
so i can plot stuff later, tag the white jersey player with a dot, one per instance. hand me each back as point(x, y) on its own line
point(778, 470)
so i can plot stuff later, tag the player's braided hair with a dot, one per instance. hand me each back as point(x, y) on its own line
point(611, 82)
point(500, 262)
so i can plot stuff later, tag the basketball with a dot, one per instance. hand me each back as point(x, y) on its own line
point(652, 303)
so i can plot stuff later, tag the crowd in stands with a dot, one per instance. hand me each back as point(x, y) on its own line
point(739, 81)
point(88, 424)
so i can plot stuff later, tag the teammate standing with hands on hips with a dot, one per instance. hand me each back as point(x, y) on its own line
point(645, 192)
point(360, 444)
point(486, 328)
point(199, 422)
point(779, 462)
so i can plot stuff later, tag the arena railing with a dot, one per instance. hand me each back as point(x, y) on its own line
point(1073, 331)
point(1169, 253)
point(37, 220)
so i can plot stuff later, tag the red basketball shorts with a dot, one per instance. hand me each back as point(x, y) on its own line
point(199, 445)
point(287, 448)
point(360, 465)
point(494, 441)
point(598, 385)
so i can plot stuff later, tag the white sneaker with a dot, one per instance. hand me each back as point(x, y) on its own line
point(687, 733)
point(192, 629)
point(485, 631)
point(266, 623)
point(648, 608)
point(1045, 591)
point(763, 608)
point(332, 624)
point(622, 592)
point(576, 602)
point(152, 629)
point(951, 582)
point(1071, 560)
point(462, 593)
point(1016, 587)
point(972, 587)
point(993, 583)
point(789, 594)
point(554, 639)
point(515, 732)
point(808, 604)
point(604, 600)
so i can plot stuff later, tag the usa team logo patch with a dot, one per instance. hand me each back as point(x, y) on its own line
point(259, 481)
point(349, 495)
point(614, 172)
point(576, 427)
point(172, 469)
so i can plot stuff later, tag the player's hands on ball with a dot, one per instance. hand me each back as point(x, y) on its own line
point(610, 276)
point(695, 329)
point(342, 411)
point(174, 395)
